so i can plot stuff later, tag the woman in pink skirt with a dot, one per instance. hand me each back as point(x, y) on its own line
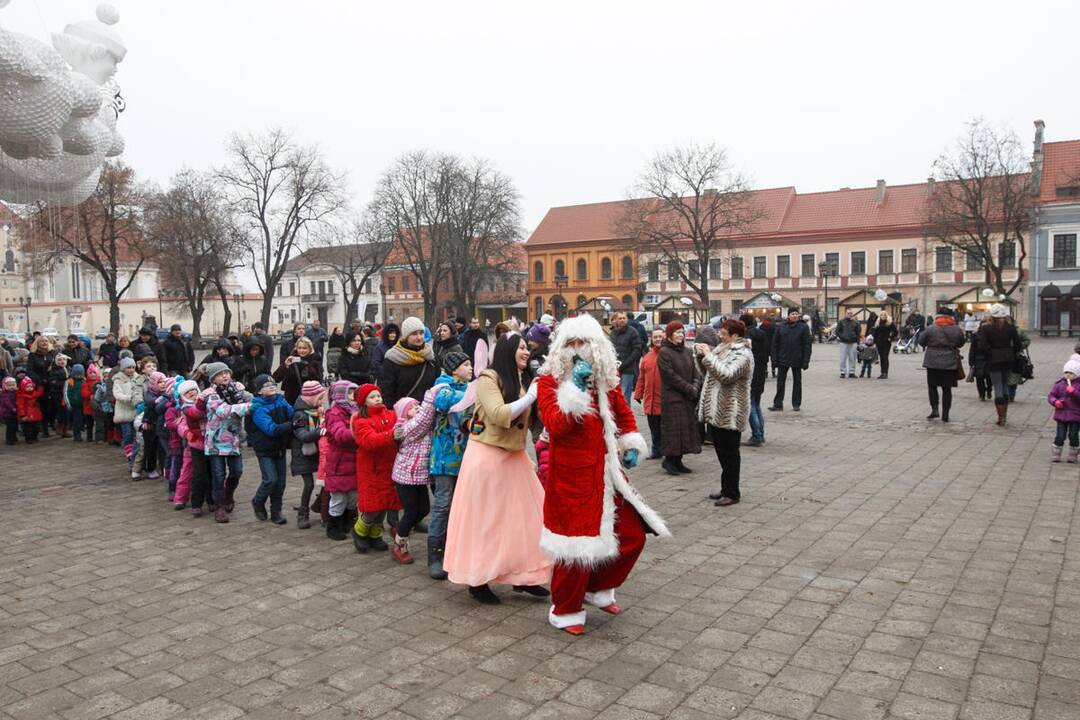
point(498, 510)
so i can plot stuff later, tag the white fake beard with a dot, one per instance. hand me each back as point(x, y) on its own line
point(584, 352)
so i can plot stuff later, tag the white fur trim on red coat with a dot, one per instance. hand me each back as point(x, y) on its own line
point(573, 400)
point(632, 441)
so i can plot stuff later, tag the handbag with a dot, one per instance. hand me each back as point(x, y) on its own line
point(960, 375)
point(1023, 366)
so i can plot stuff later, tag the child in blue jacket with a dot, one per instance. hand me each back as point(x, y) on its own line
point(270, 435)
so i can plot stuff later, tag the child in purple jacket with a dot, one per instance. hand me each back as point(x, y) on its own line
point(1065, 397)
point(9, 410)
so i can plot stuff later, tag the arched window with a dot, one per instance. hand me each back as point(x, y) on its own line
point(560, 269)
point(582, 270)
point(628, 302)
point(627, 267)
point(605, 269)
point(538, 271)
point(539, 307)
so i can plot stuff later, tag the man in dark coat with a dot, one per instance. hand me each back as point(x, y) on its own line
point(78, 354)
point(768, 325)
point(317, 336)
point(109, 352)
point(473, 335)
point(178, 354)
point(259, 335)
point(791, 347)
point(149, 339)
point(628, 347)
point(759, 346)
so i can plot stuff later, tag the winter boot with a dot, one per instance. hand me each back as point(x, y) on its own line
point(220, 516)
point(303, 521)
point(277, 518)
point(1073, 453)
point(230, 500)
point(316, 503)
point(359, 532)
point(1055, 454)
point(1002, 411)
point(259, 506)
point(401, 550)
point(375, 538)
point(324, 508)
point(335, 527)
point(434, 558)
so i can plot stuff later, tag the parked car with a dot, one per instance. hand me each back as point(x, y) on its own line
point(50, 333)
point(13, 338)
point(101, 334)
point(163, 333)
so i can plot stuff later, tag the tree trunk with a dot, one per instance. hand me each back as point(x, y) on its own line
point(196, 320)
point(264, 313)
point(114, 311)
point(350, 309)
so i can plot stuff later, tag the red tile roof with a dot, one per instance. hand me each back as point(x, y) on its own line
point(1061, 166)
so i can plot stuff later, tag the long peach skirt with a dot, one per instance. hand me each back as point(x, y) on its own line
point(496, 519)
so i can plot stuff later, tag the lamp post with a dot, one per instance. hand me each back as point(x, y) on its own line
point(560, 283)
point(823, 268)
point(382, 301)
point(25, 303)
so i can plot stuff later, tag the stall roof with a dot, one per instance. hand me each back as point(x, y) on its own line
point(866, 297)
point(674, 302)
point(764, 300)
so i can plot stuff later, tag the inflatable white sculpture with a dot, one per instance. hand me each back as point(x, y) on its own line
point(57, 112)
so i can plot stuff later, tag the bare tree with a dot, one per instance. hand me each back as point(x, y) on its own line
point(689, 203)
point(103, 232)
point(355, 254)
point(981, 195)
point(411, 207)
point(278, 189)
point(188, 227)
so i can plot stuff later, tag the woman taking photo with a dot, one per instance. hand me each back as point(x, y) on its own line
point(678, 400)
point(299, 367)
point(885, 333)
point(725, 402)
point(497, 515)
point(1000, 345)
point(942, 341)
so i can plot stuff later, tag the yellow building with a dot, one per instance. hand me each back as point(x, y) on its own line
point(575, 257)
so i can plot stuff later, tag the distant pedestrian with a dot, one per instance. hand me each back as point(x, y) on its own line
point(847, 334)
point(884, 334)
point(647, 391)
point(759, 346)
point(791, 348)
point(628, 349)
point(1001, 343)
point(942, 361)
point(678, 400)
point(727, 370)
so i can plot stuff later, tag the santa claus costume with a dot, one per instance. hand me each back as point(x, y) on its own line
point(594, 520)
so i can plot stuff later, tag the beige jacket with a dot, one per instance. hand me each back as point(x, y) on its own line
point(492, 414)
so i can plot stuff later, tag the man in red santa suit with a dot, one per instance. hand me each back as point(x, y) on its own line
point(594, 521)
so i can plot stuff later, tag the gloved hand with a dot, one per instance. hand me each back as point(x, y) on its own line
point(583, 375)
point(1059, 404)
point(630, 458)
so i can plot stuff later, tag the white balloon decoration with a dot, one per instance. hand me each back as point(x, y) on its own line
point(988, 292)
point(57, 118)
point(880, 295)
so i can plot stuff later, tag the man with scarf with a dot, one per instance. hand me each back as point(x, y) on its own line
point(409, 368)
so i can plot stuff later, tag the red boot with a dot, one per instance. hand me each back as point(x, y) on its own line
point(400, 551)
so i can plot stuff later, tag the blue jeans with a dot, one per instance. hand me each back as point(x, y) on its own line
point(127, 437)
point(627, 381)
point(757, 420)
point(272, 469)
point(1000, 381)
point(222, 488)
point(440, 511)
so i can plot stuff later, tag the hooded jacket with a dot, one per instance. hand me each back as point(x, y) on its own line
point(224, 419)
point(229, 358)
point(306, 423)
point(247, 368)
point(375, 453)
point(271, 425)
point(413, 461)
point(379, 352)
point(26, 401)
point(449, 435)
point(127, 393)
point(339, 464)
point(177, 355)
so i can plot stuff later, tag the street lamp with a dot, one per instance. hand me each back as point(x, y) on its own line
point(823, 268)
point(25, 303)
point(560, 283)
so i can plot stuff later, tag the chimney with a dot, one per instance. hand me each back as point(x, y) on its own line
point(1037, 159)
point(930, 186)
point(880, 197)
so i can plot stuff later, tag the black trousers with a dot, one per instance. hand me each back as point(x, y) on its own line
point(200, 478)
point(415, 505)
point(305, 494)
point(781, 385)
point(150, 453)
point(726, 443)
point(883, 354)
point(946, 397)
point(11, 425)
point(654, 433)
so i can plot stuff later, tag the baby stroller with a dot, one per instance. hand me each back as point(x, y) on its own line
point(909, 341)
point(333, 356)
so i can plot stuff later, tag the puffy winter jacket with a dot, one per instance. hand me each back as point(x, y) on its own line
point(26, 401)
point(375, 453)
point(339, 463)
point(449, 435)
point(271, 425)
point(306, 423)
point(127, 393)
point(1065, 397)
point(172, 425)
point(224, 421)
point(9, 404)
point(192, 424)
point(791, 345)
point(411, 466)
point(647, 389)
point(356, 367)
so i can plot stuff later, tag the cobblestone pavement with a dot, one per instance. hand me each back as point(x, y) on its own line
point(879, 566)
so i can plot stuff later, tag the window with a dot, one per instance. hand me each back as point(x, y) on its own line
point(693, 270)
point(736, 268)
point(627, 301)
point(279, 289)
point(858, 262)
point(627, 268)
point(404, 283)
point(943, 258)
point(832, 264)
point(885, 262)
point(672, 269)
point(312, 287)
point(716, 268)
point(560, 269)
point(974, 261)
point(1065, 250)
point(538, 305)
point(809, 266)
point(330, 287)
point(538, 273)
point(391, 284)
point(605, 269)
point(909, 260)
point(1067, 191)
point(715, 308)
point(809, 304)
point(322, 287)
point(582, 272)
point(367, 286)
point(1007, 254)
point(759, 266)
point(783, 266)
point(736, 306)
point(654, 271)
point(517, 284)
point(292, 288)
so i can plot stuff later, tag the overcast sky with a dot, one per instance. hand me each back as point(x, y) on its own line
point(572, 98)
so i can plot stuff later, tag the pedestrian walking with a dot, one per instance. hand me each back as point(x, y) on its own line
point(1065, 398)
point(1001, 344)
point(847, 335)
point(790, 351)
point(942, 361)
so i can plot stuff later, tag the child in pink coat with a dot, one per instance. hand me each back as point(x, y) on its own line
point(1065, 397)
point(411, 474)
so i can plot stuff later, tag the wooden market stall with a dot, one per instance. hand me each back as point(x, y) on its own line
point(768, 305)
point(976, 300)
point(679, 307)
point(867, 301)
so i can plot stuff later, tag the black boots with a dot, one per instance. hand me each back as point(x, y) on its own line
point(277, 518)
point(259, 507)
point(303, 521)
point(335, 527)
point(435, 557)
point(483, 595)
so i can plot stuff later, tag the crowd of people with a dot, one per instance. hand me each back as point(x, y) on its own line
point(399, 430)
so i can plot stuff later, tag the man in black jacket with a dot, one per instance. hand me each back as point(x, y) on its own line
point(628, 347)
point(259, 336)
point(78, 354)
point(148, 338)
point(759, 346)
point(847, 334)
point(178, 354)
point(791, 346)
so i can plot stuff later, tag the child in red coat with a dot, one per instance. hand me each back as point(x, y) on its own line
point(29, 409)
point(376, 437)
